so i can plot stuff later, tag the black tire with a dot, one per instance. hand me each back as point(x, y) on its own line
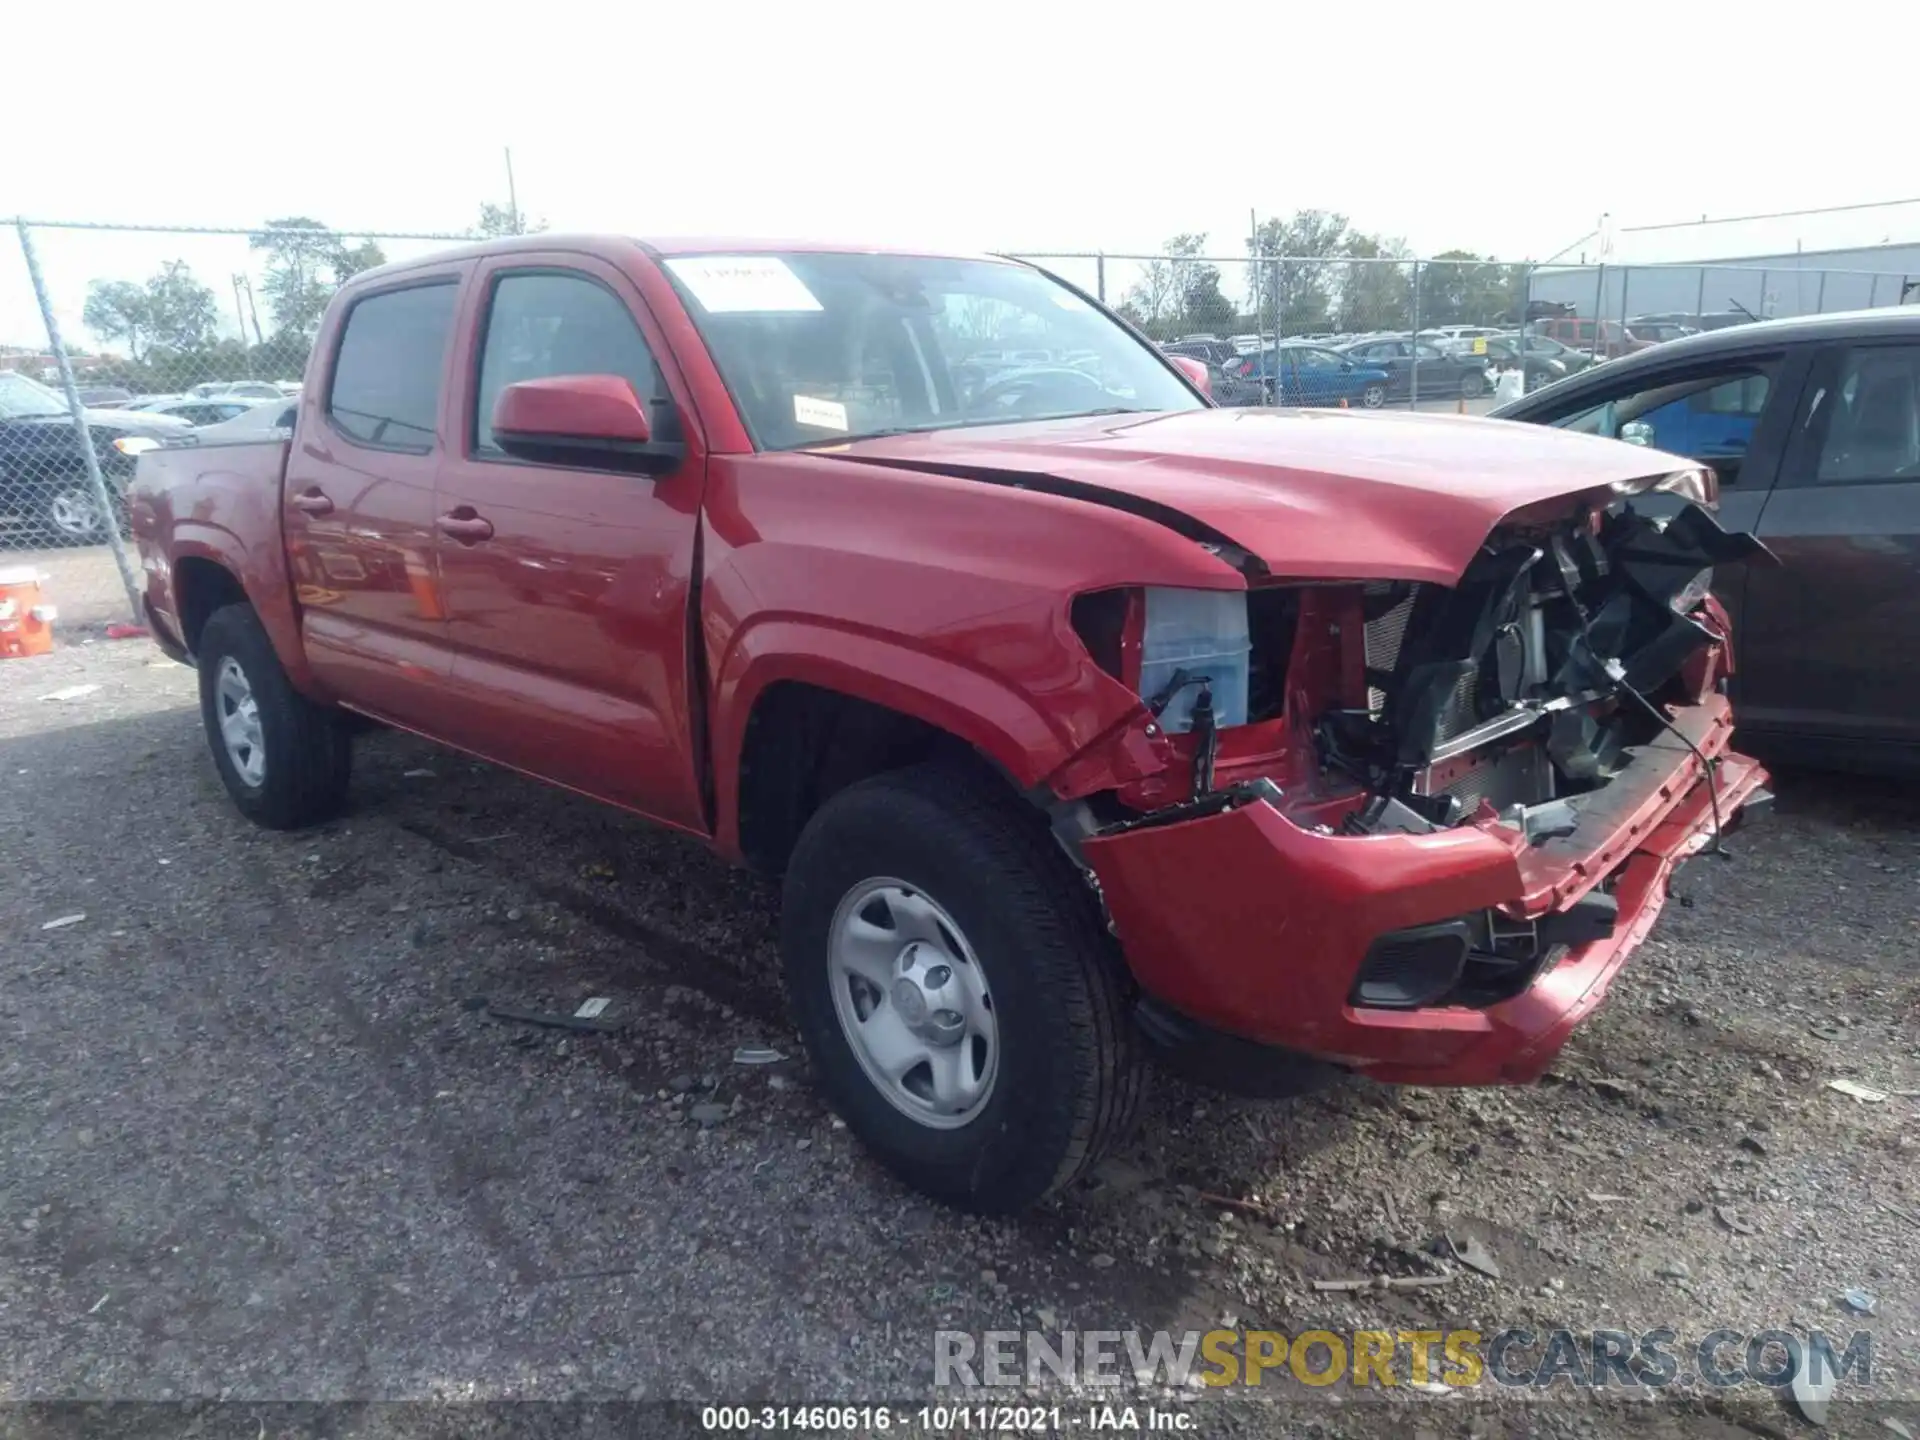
point(1473, 385)
point(307, 749)
point(1374, 396)
point(1070, 1077)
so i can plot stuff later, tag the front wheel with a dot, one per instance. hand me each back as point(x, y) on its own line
point(284, 760)
point(1374, 396)
point(957, 993)
point(71, 516)
point(1473, 385)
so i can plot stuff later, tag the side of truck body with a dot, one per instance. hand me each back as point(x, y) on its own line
point(795, 652)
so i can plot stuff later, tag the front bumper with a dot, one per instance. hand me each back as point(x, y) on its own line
point(1246, 923)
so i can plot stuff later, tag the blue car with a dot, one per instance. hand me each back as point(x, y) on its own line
point(1309, 375)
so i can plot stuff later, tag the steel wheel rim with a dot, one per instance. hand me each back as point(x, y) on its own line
point(913, 1003)
point(73, 513)
point(239, 716)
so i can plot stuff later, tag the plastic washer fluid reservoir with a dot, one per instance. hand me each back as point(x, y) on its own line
point(1204, 633)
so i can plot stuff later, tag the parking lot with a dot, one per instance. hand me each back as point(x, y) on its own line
point(270, 1137)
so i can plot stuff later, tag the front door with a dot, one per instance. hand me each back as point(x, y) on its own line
point(1834, 631)
point(567, 588)
point(358, 502)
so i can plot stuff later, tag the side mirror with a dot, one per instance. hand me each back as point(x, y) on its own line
point(594, 421)
point(1195, 371)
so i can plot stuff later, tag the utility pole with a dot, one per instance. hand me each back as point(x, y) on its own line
point(513, 199)
point(240, 315)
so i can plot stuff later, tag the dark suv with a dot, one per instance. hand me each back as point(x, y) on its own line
point(45, 495)
point(1813, 425)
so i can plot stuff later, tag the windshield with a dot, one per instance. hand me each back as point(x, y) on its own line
point(819, 347)
point(21, 398)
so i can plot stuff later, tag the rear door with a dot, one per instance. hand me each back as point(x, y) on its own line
point(358, 501)
point(567, 588)
point(1834, 648)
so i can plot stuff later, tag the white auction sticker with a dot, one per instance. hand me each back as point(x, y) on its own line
point(733, 284)
point(826, 414)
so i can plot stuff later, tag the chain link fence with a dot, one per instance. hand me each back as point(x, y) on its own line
point(116, 339)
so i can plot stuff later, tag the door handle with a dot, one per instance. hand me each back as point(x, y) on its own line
point(465, 526)
point(313, 502)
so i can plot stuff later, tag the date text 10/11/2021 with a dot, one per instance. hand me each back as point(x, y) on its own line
point(941, 1419)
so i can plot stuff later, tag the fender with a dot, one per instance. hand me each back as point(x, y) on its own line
point(971, 704)
point(263, 575)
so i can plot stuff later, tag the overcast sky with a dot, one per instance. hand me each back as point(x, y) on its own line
point(1500, 128)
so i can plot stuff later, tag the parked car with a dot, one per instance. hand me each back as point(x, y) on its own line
point(209, 411)
point(1214, 352)
point(1813, 427)
point(1607, 340)
point(45, 493)
point(103, 397)
point(1407, 362)
point(1500, 352)
point(1309, 375)
point(1076, 715)
point(1571, 360)
point(1659, 332)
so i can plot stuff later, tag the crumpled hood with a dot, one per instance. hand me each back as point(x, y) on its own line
point(1328, 494)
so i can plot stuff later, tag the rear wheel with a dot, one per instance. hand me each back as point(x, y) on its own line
point(1374, 396)
point(961, 1000)
point(284, 760)
point(1473, 385)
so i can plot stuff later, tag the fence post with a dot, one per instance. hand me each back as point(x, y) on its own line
point(101, 495)
point(1413, 345)
point(1820, 296)
point(1599, 308)
point(1279, 302)
point(1100, 277)
point(1700, 303)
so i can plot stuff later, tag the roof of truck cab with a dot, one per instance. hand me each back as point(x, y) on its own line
point(663, 248)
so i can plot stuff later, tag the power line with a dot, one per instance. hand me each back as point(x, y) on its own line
point(1772, 215)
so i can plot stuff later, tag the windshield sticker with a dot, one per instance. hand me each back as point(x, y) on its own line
point(734, 284)
point(825, 414)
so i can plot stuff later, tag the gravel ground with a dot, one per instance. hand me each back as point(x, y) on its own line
point(260, 1138)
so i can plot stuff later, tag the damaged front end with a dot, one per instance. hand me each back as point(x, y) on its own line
point(1445, 813)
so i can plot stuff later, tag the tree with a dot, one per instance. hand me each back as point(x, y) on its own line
point(1305, 292)
point(1458, 286)
point(1372, 295)
point(349, 260)
point(181, 312)
point(117, 310)
point(498, 220)
point(300, 254)
point(1159, 298)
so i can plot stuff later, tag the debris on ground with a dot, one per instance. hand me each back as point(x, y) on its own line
point(70, 692)
point(757, 1055)
point(64, 921)
point(592, 1009)
point(1866, 1094)
point(1472, 1254)
point(708, 1114)
point(552, 1020)
point(1730, 1218)
point(1813, 1393)
point(1860, 1302)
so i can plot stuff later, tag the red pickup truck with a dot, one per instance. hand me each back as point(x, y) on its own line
point(1079, 718)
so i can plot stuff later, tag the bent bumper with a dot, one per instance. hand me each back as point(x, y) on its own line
point(1244, 922)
